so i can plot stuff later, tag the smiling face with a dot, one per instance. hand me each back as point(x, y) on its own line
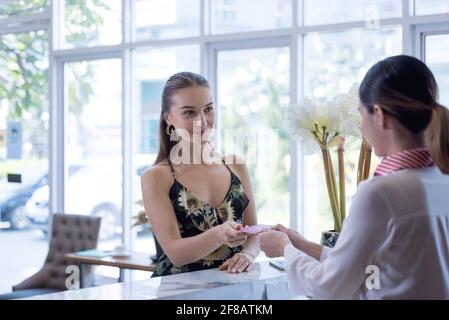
point(192, 107)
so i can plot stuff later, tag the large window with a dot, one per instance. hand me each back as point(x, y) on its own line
point(110, 61)
point(230, 16)
point(24, 121)
point(94, 142)
point(92, 23)
point(24, 149)
point(334, 62)
point(436, 56)
point(253, 89)
point(163, 19)
point(431, 6)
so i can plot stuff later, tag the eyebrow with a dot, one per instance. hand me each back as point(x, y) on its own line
point(191, 107)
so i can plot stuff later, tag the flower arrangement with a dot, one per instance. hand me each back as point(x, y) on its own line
point(321, 126)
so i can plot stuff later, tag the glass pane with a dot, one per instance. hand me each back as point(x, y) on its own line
point(326, 12)
point(437, 47)
point(334, 62)
point(431, 6)
point(94, 143)
point(238, 16)
point(152, 69)
point(163, 19)
point(13, 8)
point(24, 122)
point(253, 88)
point(92, 22)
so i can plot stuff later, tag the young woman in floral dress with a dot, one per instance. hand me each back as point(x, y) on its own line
point(197, 206)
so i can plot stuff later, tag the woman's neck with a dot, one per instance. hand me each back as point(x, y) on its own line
point(404, 142)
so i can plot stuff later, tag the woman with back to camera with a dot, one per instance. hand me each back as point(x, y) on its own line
point(196, 200)
point(395, 241)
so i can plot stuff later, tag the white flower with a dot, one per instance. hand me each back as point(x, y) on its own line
point(312, 124)
point(318, 123)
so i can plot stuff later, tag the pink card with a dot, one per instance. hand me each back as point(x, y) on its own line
point(255, 229)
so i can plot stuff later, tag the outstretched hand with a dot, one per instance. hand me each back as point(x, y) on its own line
point(273, 243)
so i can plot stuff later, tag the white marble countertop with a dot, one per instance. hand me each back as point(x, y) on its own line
point(264, 282)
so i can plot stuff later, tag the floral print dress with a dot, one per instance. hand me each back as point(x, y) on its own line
point(196, 216)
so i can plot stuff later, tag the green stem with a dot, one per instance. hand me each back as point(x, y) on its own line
point(341, 178)
point(361, 164)
point(327, 162)
point(367, 161)
point(334, 180)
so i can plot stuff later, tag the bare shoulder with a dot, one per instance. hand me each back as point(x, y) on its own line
point(237, 164)
point(158, 176)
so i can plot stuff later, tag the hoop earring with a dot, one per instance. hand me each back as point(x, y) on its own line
point(168, 131)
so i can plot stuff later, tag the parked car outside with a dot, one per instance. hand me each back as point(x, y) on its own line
point(14, 195)
point(95, 190)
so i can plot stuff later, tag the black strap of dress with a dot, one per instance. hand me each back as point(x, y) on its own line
point(173, 170)
point(226, 165)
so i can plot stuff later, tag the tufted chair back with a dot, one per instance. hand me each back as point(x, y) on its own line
point(70, 233)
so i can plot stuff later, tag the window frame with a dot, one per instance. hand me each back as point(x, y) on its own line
point(210, 44)
point(423, 31)
point(413, 27)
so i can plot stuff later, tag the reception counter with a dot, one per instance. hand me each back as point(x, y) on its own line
point(263, 283)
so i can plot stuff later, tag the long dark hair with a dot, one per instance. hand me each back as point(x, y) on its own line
point(176, 82)
point(405, 88)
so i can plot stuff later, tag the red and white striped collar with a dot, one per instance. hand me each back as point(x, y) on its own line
point(407, 159)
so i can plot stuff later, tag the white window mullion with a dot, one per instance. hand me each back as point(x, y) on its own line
point(128, 26)
point(56, 139)
point(204, 18)
point(295, 214)
point(407, 27)
point(297, 184)
point(57, 172)
point(57, 18)
point(128, 144)
point(23, 24)
point(128, 149)
point(211, 67)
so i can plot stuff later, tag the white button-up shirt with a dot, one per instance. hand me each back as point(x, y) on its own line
point(394, 243)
